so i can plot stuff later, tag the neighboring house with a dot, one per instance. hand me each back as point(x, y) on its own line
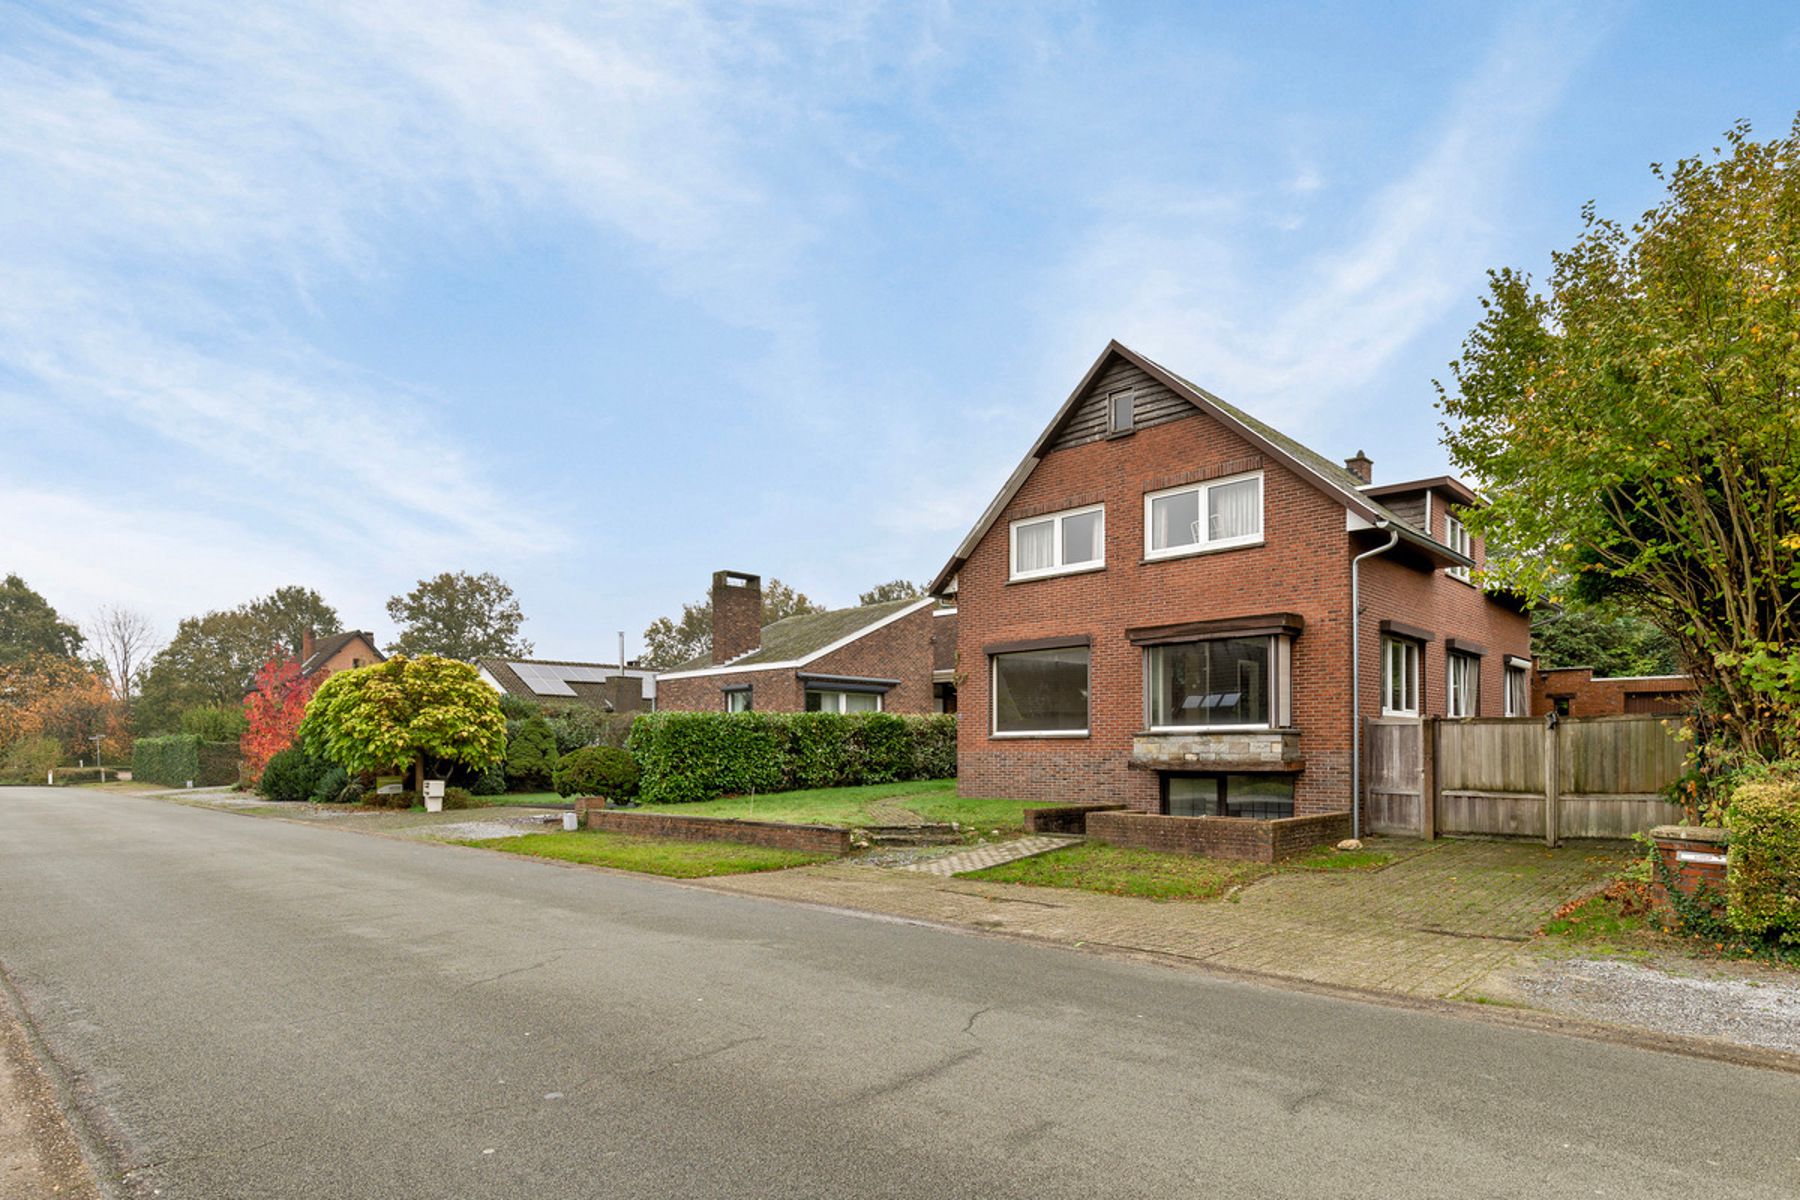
point(599, 685)
point(323, 657)
point(1576, 692)
point(877, 658)
point(1156, 610)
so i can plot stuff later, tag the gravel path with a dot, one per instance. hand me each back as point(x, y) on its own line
point(1757, 1008)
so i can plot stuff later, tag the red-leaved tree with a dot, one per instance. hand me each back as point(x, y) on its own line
point(273, 710)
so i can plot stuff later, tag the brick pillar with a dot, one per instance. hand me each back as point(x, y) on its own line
point(736, 615)
point(1693, 856)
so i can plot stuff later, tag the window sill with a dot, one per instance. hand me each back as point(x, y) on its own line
point(1197, 551)
point(1013, 737)
point(1083, 569)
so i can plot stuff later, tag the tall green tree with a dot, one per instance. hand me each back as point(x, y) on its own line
point(1611, 642)
point(1636, 424)
point(29, 625)
point(459, 615)
point(427, 713)
point(893, 589)
point(671, 642)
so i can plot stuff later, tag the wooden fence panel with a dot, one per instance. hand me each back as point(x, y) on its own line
point(1393, 773)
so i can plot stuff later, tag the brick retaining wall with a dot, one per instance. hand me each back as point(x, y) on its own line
point(812, 839)
point(1064, 818)
point(1219, 837)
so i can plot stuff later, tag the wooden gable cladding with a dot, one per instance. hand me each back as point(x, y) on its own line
point(1151, 404)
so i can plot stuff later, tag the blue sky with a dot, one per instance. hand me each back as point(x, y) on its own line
point(606, 297)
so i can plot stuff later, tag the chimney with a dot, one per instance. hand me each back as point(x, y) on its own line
point(736, 615)
point(306, 644)
point(1361, 466)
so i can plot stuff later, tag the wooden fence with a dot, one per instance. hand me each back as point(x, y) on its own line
point(1581, 777)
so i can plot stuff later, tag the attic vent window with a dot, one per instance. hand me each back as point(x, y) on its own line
point(1119, 412)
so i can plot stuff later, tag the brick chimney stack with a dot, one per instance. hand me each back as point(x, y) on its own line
point(306, 644)
point(1361, 466)
point(737, 615)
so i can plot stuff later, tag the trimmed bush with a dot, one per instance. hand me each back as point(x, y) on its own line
point(455, 797)
point(1762, 875)
point(215, 722)
point(491, 782)
point(597, 771)
point(292, 775)
point(174, 760)
point(688, 757)
point(531, 756)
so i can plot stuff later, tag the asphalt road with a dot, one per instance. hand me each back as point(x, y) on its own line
point(253, 1008)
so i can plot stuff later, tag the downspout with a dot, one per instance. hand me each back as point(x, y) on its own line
point(1356, 788)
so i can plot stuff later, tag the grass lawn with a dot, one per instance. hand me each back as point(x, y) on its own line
point(935, 800)
point(652, 856)
point(523, 800)
point(1120, 872)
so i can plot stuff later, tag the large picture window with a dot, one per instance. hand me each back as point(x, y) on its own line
point(1262, 797)
point(1062, 542)
point(1220, 683)
point(1205, 516)
point(1399, 677)
point(1041, 693)
point(824, 700)
point(1463, 685)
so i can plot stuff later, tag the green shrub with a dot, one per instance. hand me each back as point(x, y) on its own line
point(597, 771)
point(491, 782)
point(531, 756)
point(455, 797)
point(178, 758)
point(215, 722)
point(400, 799)
point(331, 787)
point(30, 759)
point(698, 756)
point(292, 776)
point(1762, 876)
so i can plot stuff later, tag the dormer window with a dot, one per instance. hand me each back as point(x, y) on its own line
point(1456, 536)
point(1119, 415)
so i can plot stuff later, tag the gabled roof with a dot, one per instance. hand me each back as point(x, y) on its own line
point(325, 648)
point(1330, 477)
point(796, 641)
point(1456, 488)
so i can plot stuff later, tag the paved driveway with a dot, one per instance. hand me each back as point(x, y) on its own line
point(263, 1009)
point(1430, 925)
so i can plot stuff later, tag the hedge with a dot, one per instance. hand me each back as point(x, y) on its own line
point(1762, 873)
point(688, 756)
point(174, 760)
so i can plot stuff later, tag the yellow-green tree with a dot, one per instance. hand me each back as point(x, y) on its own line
point(405, 714)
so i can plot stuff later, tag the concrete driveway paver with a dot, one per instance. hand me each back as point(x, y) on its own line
point(1428, 925)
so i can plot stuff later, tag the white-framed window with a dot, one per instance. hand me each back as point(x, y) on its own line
point(1204, 516)
point(1059, 543)
point(1399, 677)
point(1219, 683)
point(831, 701)
point(1041, 693)
point(1462, 685)
point(1456, 536)
point(1518, 691)
point(737, 700)
point(1119, 414)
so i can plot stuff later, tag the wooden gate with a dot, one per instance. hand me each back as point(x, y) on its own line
point(1587, 777)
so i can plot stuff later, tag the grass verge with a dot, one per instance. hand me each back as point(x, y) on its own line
point(934, 799)
point(652, 856)
point(1116, 871)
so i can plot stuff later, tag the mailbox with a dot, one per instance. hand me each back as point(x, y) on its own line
point(434, 789)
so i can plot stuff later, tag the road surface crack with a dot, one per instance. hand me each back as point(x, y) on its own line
point(505, 974)
point(969, 1029)
point(701, 1056)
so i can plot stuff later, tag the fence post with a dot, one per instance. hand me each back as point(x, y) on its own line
point(1428, 781)
point(1552, 778)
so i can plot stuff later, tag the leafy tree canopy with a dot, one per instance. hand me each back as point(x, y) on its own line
point(894, 589)
point(669, 643)
point(28, 625)
point(1636, 425)
point(62, 699)
point(405, 712)
point(1613, 643)
point(459, 615)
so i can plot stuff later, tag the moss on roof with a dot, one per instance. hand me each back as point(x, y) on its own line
point(797, 637)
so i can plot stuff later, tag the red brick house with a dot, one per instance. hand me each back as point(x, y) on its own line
point(321, 658)
point(1578, 692)
point(1156, 610)
point(876, 658)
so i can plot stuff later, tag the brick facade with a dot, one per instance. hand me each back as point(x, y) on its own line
point(342, 652)
point(1219, 837)
point(1582, 695)
point(1301, 567)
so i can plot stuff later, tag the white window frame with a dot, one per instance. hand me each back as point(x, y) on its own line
point(1280, 669)
point(1523, 677)
point(994, 730)
point(1058, 567)
point(1413, 656)
point(1462, 701)
point(1206, 545)
point(1457, 537)
point(843, 700)
point(734, 696)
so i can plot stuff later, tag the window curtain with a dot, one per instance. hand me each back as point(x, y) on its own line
point(1235, 509)
point(1036, 547)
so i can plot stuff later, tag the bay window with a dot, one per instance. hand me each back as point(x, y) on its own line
point(1059, 543)
point(1041, 693)
point(1203, 516)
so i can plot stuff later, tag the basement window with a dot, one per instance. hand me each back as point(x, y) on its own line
point(1258, 797)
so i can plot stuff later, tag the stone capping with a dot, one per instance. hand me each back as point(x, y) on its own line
point(813, 839)
point(1242, 838)
point(1065, 818)
point(1708, 834)
point(1043, 643)
point(1219, 750)
point(1284, 623)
